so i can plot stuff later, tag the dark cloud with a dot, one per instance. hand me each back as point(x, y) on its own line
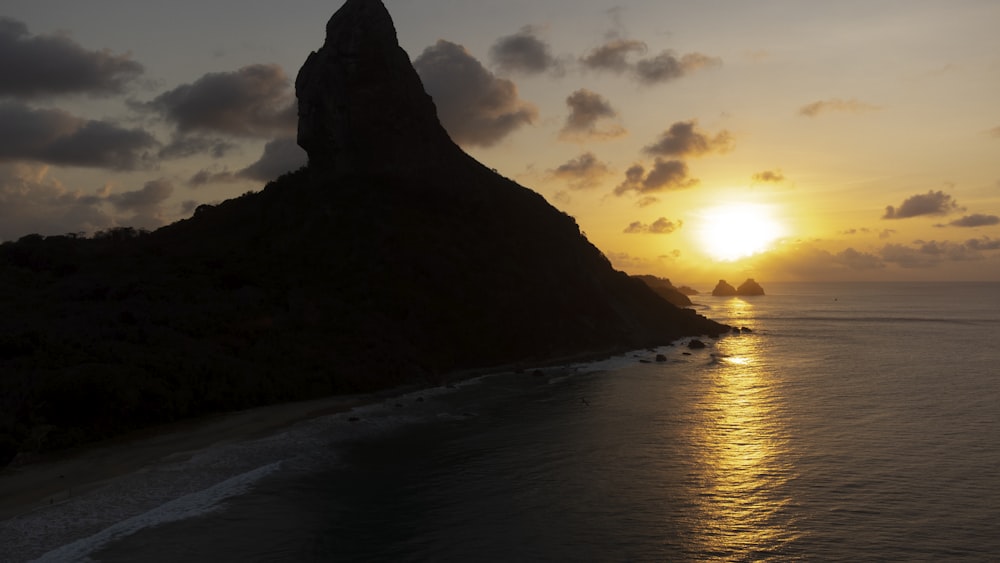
point(807, 261)
point(144, 204)
point(665, 175)
point(976, 220)
point(613, 55)
point(152, 194)
point(769, 177)
point(925, 254)
point(280, 156)
point(858, 260)
point(661, 226)
point(930, 203)
point(683, 139)
point(53, 136)
point(984, 243)
point(41, 65)
point(668, 66)
point(836, 105)
point(523, 52)
point(584, 171)
point(183, 146)
point(254, 101)
point(586, 109)
point(475, 106)
point(33, 202)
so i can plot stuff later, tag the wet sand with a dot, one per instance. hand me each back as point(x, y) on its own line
point(53, 479)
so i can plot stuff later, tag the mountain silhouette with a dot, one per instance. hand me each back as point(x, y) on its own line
point(392, 258)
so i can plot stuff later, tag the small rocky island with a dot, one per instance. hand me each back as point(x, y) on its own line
point(747, 288)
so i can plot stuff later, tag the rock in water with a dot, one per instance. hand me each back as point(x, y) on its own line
point(750, 287)
point(723, 289)
point(361, 102)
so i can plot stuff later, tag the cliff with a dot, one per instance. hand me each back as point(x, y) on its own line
point(393, 257)
point(665, 289)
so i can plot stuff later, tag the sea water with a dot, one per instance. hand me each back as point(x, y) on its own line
point(851, 422)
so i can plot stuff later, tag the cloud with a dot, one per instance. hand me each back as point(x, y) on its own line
point(995, 132)
point(925, 254)
point(280, 156)
point(837, 105)
point(661, 226)
point(807, 261)
point(152, 194)
point(476, 107)
point(586, 109)
point(53, 136)
point(682, 139)
point(668, 66)
point(930, 203)
point(976, 220)
point(613, 55)
point(769, 177)
point(144, 204)
point(523, 52)
point(255, 101)
point(44, 65)
point(984, 243)
point(31, 201)
point(584, 171)
point(183, 146)
point(855, 260)
point(665, 175)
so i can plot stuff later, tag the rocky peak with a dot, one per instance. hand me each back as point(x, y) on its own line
point(361, 103)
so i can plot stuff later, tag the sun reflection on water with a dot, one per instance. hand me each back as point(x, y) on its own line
point(741, 438)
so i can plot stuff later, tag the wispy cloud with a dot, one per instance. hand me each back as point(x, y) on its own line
point(836, 105)
point(768, 177)
point(661, 226)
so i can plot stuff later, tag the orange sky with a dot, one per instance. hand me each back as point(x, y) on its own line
point(867, 131)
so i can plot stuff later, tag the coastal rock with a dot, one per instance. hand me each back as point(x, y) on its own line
point(696, 344)
point(723, 289)
point(666, 290)
point(750, 287)
point(360, 100)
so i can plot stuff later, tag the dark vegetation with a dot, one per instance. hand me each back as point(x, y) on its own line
point(353, 274)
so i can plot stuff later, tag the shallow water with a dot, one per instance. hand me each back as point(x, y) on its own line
point(856, 422)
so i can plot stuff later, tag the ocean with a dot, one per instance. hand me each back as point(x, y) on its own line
point(851, 422)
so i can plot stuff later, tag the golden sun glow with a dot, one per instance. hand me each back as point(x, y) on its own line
point(733, 231)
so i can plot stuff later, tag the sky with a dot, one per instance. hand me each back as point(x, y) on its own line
point(784, 140)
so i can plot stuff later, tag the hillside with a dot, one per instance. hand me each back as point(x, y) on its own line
point(392, 258)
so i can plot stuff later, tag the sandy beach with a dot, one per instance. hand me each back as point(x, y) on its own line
point(57, 477)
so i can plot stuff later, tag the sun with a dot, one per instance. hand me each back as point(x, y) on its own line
point(733, 231)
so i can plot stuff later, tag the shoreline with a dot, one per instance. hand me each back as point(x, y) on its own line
point(58, 476)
